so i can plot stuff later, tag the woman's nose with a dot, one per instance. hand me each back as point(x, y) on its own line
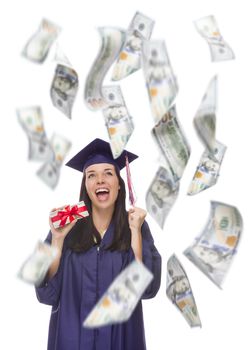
point(100, 179)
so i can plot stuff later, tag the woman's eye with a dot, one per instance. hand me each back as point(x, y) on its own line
point(109, 173)
point(90, 176)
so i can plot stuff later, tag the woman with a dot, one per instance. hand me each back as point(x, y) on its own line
point(92, 253)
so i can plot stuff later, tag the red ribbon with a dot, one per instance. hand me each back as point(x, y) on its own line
point(70, 213)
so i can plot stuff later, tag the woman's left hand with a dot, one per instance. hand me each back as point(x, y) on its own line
point(136, 218)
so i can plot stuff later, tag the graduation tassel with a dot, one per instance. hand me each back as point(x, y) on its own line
point(132, 198)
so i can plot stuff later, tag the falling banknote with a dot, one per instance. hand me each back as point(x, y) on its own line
point(213, 251)
point(160, 79)
point(129, 59)
point(161, 195)
point(31, 120)
point(112, 42)
point(207, 172)
point(64, 89)
point(39, 45)
point(50, 171)
point(121, 298)
point(172, 142)
point(205, 118)
point(208, 28)
point(35, 268)
point(179, 291)
point(117, 119)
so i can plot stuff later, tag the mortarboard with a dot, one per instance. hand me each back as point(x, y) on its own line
point(99, 151)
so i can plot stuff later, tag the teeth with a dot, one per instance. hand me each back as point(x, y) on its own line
point(102, 190)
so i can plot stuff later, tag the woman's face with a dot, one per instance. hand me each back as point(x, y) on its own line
point(102, 185)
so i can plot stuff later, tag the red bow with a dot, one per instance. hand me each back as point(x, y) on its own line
point(70, 213)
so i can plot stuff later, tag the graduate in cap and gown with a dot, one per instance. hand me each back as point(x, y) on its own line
point(93, 252)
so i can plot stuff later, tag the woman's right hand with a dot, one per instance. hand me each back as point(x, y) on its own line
point(59, 234)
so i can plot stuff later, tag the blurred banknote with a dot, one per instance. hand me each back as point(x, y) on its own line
point(208, 28)
point(121, 298)
point(161, 195)
point(64, 89)
point(213, 251)
point(112, 40)
point(50, 171)
point(35, 268)
point(129, 59)
point(172, 142)
point(205, 119)
point(31, 120)
point(207, 172)
point(179, 291)
point(117, 119)
point(160, 79)
point(39, 44)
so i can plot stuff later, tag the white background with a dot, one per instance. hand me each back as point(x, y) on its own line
point(26, 201)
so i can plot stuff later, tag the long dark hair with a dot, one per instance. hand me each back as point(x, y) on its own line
point(81, 238)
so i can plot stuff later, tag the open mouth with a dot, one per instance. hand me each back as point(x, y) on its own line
point(102, 193)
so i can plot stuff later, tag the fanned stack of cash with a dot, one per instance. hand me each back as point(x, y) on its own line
point(129, 60)
point(179, 291)
point(64, 88)
point(40, 43)
point(112, 40)
point(207, 171)
point(213, 251)
point(208, 28)
point(50, 171)
point(31, 120)
point(121, 298)
point(160, 80)
point(117, 119)
point(35, 268)
point(175, 149)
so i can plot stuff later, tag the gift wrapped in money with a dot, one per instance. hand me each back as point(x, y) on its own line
point(69, 213)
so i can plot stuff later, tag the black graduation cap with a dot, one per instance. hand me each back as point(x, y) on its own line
point(99, 151)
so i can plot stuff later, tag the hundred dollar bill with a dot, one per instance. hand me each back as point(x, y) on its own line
point(179, 291)
point(205, 119)
point(213, 251)
point(117, 119)
point(49, 173)
point(161, 195)
point(172, 142)
point(39, 45)
point(64, 89)
point(119, 301)
point(160, 80)
point(208, 29)
point(129, 59)
point(112, 41)
point(207, 172)
point(31, 120)
point(35, 268)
